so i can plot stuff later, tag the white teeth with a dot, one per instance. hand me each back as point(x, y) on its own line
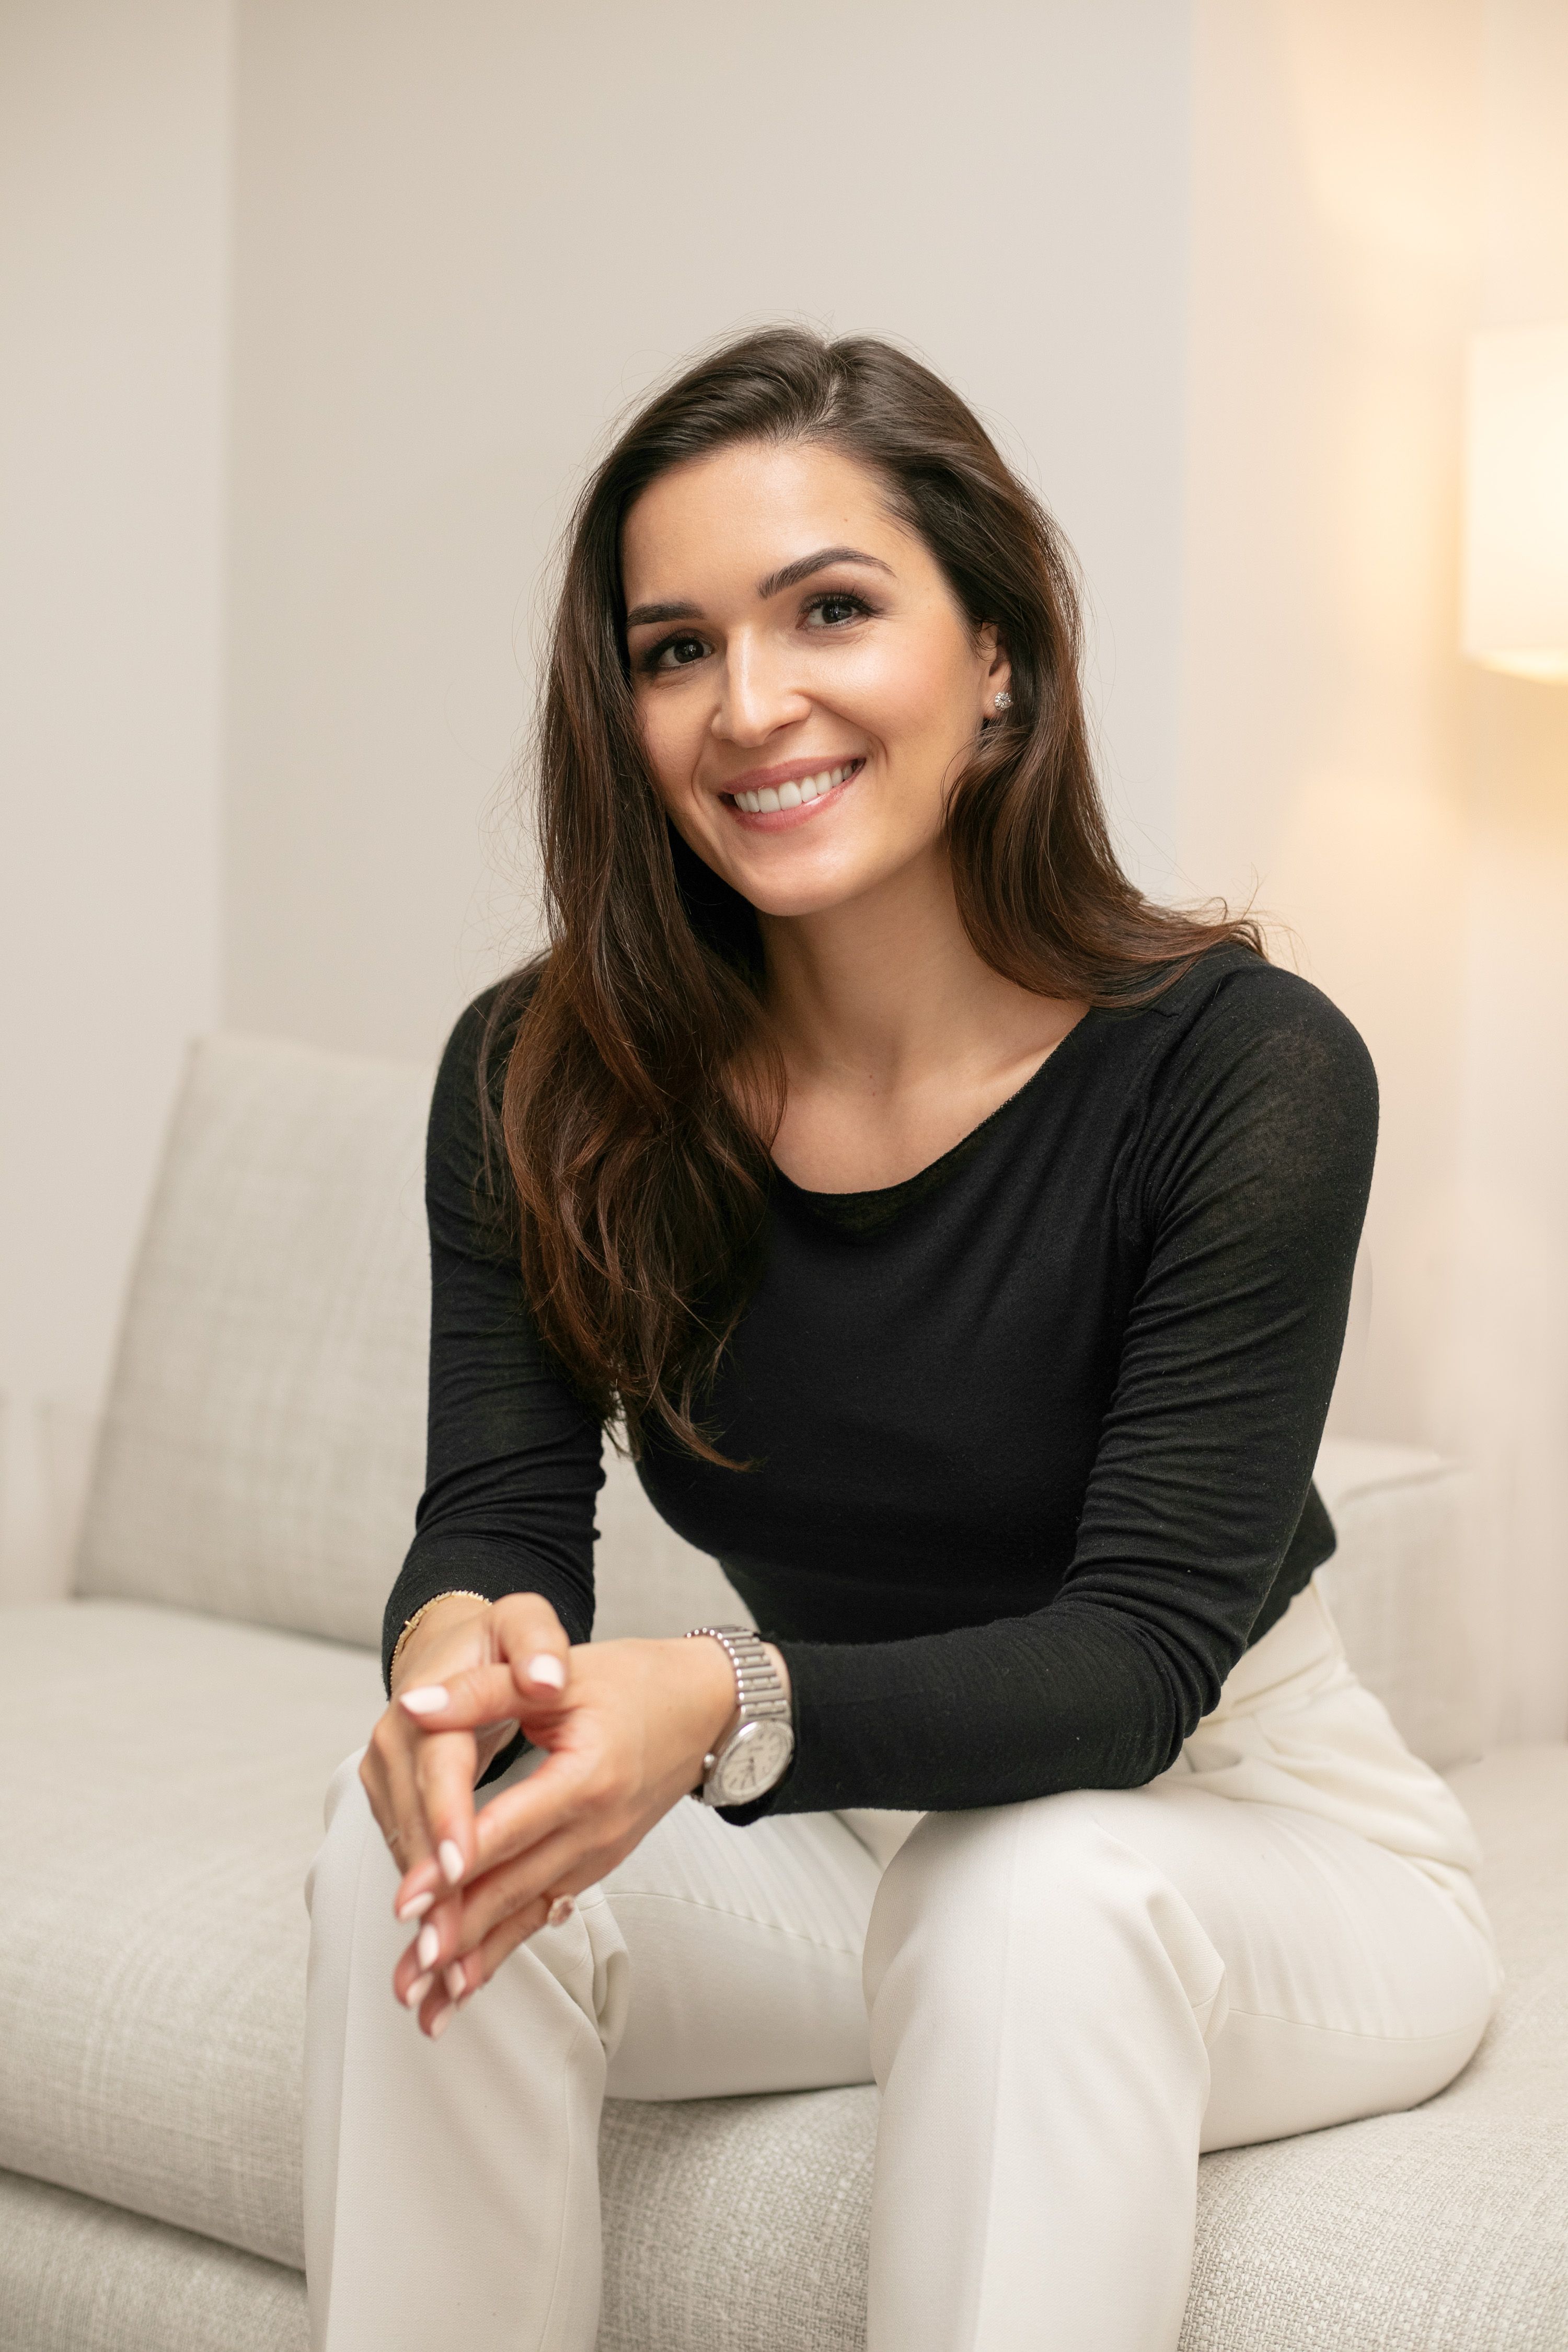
point(788, 796)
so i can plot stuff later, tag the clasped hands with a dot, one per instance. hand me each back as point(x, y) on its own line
point(624, 1725)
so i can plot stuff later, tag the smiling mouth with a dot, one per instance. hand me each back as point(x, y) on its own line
point(771, 798)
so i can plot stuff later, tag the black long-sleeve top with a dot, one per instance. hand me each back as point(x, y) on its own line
point(1034, 1430)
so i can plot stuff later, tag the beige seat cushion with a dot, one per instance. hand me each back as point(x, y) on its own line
point(151, 2011)
point(737, 2221)
point(78, 2276)
point(164, 1775)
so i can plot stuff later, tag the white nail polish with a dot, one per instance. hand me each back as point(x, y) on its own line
point(440, 2021)
point(416, 1991)
point(547, 1669)
point(449, 1854)
point(416, 1907)
point(456, 1983)
point(428, 1699)
point(559, 1911)
point(429, 1944)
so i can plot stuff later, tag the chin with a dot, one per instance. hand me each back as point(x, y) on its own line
point(784, 896)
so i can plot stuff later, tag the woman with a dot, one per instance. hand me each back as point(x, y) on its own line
point(964, 1244)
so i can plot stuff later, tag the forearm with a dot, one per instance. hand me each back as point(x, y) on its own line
point(1068, 1698)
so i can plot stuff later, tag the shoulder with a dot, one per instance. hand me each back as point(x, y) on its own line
point(1252, 1077)
point(1232, 1011)
point(471, 1074)
point(465, 1148)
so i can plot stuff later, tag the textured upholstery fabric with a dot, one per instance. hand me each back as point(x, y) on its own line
point(1402, 1585)
point(264, 1443)
point(1441, 2231)
point(151, 2007)
point(76, 2276)
point(152, 1971)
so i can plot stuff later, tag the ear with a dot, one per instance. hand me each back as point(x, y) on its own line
point(996, 674)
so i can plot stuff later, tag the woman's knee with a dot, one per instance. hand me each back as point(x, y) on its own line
point(1053, 1879)
point(348, 1824)
point(960, 1879)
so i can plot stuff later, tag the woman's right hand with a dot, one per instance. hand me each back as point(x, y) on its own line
point(421, 1782)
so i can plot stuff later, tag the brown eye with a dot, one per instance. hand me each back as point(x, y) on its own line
point(677, 653)
point(834, 610)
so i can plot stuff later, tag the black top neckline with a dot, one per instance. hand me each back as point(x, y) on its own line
point(871, 1209)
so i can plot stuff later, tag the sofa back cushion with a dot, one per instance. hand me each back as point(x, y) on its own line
point(1404, 1585)
point(263, 1444)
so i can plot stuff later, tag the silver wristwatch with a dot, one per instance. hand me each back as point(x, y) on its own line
point(756, 1755)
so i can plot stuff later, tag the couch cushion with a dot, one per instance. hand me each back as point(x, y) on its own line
point(264, 1443)
point(263, 1446)
point(153, 1969)
point(1446, 2230)
point(1404, 1585)
point(152, 1995)
point(78, 2276)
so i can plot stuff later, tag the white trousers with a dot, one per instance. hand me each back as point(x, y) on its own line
point(1061, 2000)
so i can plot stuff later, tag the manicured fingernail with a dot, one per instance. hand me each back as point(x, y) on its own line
point(449, 1854)
point(429, 1944)
point(559, 1911)
point(440, 2021)
point(428, 1699)
point(416, 1991)
point(456, 1983)
point(547, 1669)
point(415, 1906)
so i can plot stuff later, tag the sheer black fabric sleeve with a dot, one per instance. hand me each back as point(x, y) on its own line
point(1246, 1194)
point(513, 1459)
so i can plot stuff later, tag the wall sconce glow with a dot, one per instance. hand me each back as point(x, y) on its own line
point(1516, 503)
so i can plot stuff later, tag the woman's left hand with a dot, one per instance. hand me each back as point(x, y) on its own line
point(626, 1741)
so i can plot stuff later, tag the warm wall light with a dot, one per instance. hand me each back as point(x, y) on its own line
point(1516, 503)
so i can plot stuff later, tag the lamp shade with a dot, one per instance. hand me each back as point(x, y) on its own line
point(1516, 503)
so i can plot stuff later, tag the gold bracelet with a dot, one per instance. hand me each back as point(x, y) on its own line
point(419, 1612)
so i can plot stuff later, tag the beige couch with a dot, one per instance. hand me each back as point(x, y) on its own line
point(167, 1733)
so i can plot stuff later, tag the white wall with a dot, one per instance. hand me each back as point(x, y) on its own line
point(468, 236)
point(1369, 185)
point(1506, 1364)
point(1335, 256)
point(113, 165)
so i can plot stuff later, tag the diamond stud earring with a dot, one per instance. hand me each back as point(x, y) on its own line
point(1003, 701)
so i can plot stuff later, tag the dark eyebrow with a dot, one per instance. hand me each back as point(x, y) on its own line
point(643, 616)
point(793, 573)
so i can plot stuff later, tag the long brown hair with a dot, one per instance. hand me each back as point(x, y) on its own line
point(641, 1170)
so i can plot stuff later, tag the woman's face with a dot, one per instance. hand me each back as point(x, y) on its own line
point(808, 687)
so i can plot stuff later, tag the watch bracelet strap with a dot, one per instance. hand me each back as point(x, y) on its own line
point(762, 1696)
point(758, 1688)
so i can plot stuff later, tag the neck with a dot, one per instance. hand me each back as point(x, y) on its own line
point(887, 988)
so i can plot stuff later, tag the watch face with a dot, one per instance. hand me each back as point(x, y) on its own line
point(753, 1761)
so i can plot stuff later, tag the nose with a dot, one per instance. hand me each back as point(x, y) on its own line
point(757, 695)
